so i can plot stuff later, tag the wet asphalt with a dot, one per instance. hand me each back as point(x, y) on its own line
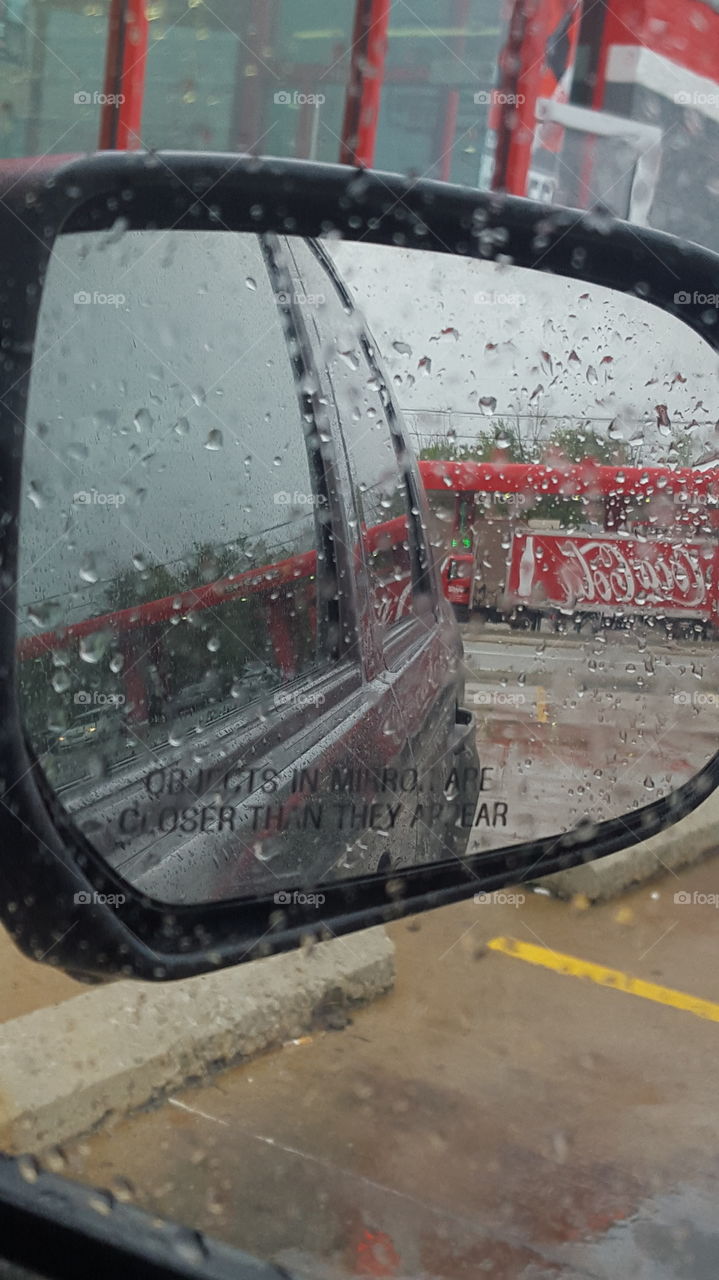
point(491, 1116)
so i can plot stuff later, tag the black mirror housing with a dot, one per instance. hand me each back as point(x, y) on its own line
point(46, 861)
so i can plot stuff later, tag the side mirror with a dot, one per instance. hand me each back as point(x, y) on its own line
point(236, 708)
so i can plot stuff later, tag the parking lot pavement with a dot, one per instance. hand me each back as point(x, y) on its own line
point(551, 761)
point(535, 1099)
point(26, 985)
point(481, 632)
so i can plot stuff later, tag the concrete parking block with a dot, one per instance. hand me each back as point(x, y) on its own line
point(116, 1048)
point(689, 841)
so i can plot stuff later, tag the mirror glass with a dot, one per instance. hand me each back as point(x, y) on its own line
point(264, 480)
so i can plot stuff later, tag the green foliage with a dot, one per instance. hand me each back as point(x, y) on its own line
point(501, 441)
point(578, 443)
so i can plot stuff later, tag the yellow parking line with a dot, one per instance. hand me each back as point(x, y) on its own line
point(572, 967)
point(542, 708)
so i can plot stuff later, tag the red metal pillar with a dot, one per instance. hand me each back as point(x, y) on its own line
point(502, 119)
point(530, 71)
point(124, 86)
point(364, 88)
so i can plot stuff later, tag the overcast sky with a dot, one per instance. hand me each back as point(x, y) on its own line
point(456, 332)
point(162, 391)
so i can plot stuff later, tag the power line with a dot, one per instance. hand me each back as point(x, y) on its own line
point(551, 417)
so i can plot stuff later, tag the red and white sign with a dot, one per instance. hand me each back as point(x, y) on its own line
point(609, 573)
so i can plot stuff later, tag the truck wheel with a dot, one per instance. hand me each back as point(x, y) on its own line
point(519, 621)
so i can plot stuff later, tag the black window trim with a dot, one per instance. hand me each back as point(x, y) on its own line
point(344, 620)
point(299, 353)
point(401, 635)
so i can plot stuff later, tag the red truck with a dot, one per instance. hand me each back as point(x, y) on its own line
point(653, 554)
point(603, 577)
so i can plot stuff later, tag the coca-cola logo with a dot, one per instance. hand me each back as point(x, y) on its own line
point(392, 601)
point(612, 572)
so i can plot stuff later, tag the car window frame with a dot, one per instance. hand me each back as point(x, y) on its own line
point(397, 641)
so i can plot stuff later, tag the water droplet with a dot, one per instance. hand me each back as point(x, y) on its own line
point(92, 647)
point(102, 1202)
point(122, 1189)
point(56, 1160)
point(88, 570)
point(560, 1147)
point(44, 614)
point(191, 1246)
point(214, 440)
point(29, 1168)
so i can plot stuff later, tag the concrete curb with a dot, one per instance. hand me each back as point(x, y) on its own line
point(543, 680)
point(529, 639)
point(116, 1048)
point(534, 639)
point(687, 842)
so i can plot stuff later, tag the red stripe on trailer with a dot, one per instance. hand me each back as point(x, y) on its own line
point(579, 479)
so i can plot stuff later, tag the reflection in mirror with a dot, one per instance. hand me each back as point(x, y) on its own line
point(579, 537)
point(237, 665)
